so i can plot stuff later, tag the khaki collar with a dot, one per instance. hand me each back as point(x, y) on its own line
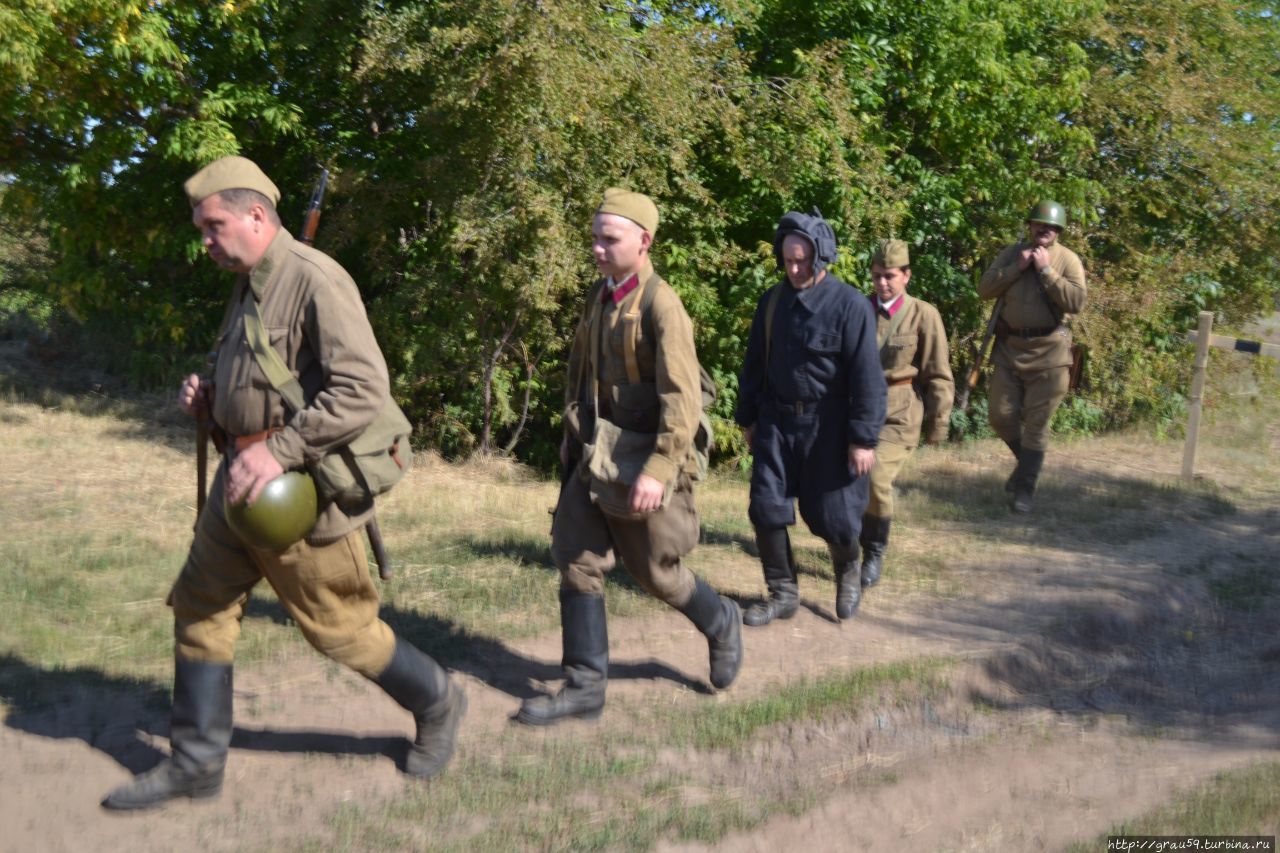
point(260, 276)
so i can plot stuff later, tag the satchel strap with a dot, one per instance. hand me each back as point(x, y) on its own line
point(631, 327)
point(894, 322)
point(769, 311)
point(277, 372)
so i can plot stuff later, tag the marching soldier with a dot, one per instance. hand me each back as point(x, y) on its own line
point(312, 311)
point(1040, 283)
point(811, 404)
point(917, 369)
point(634, 401)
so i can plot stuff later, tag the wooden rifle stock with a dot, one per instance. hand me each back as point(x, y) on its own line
point(975, 371)
point(310, 223)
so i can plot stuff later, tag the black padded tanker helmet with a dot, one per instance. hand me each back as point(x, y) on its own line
point(811, 227)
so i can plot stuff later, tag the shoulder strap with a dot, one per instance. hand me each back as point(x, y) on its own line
point(277, 372)
point(768, 328)
point(895, 322)
point(631, 325)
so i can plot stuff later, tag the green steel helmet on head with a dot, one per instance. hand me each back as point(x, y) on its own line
point(1049, 212)
point(284, 512)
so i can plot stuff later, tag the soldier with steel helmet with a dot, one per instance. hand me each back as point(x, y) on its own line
point(262, 519)
point(1040, 283)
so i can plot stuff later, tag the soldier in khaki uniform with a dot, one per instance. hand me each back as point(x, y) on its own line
point(313, 315)
point(634, 401)
point(917, 369)
point(1040, 283)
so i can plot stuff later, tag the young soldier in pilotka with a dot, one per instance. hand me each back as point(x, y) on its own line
point(312, 311)
point(1039, 283)
point(917, 369)
point(634, 399)
point(811, 403)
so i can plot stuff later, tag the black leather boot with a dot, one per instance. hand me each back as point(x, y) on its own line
point(586, 664)
point(422, 687)
point(1016, 448)
point(200, 734)
point(720, 619)
point(874, 540)
point(774, 546)
point(1028, 473)
point(844, 560)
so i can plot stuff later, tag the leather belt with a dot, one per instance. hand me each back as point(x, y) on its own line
point(895, 383)
point(1026, 334)
point(243, 441)
point(800, 407)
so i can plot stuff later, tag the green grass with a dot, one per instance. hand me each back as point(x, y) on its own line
point(616, 789)
point(1241, 802)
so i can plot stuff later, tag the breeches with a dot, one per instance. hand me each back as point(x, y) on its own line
point(806, 458)
point(584, 542)
point(1021, 405)
point(890, 458)
point(326, 589)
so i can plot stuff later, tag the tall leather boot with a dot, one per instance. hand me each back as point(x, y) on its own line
point(199, 733)
point(844, 559)
point(1016, 448)
point(422, 687)
point(720, 620)
point(874, 540)
point(586, 664)
point(774, 546)
point(1026, 476)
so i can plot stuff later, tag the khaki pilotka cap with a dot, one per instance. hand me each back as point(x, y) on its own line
point(892, 254)
point(637, 207)
point(229, 173)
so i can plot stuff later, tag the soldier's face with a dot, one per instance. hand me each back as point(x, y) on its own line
point(1043, 234)
point(891, 282)
point(618, 245)
point(797, 261)
point(233, 240)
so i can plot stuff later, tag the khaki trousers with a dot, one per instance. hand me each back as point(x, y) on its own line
point(584, 541)
point(326, 589)
point(1021, 405)
point(890, 458)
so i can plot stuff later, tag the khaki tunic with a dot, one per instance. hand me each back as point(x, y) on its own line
point(917, 369)
point(312, 313)
point(917, 352)
point(667, 401)
point(314, 318)
point(1026, 306)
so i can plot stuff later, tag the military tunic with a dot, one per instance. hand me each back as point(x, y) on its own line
point(820, 391)
point(667, 402)
point(921, 391)
point(312, 313)
point(1032, 354)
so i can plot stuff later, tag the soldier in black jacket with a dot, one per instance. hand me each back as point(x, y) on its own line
point(811, 403)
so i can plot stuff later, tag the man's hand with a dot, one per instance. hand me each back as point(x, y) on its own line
point(253, 468)
point(192, 396)
point(646, 494)
point(861, 460)
point(1040, 257)
point(1024, 258)
point(749, 434)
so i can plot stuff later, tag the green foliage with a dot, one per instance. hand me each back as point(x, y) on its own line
point(469, 143)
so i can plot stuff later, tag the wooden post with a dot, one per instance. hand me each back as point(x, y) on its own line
point(1197, 394)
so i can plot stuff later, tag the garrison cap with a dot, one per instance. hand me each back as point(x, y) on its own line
point(637, 207)
point(229, 173)
point(891, 254)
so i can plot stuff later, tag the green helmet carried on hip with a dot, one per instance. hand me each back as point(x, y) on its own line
point(284, 512)
point(1049, 212)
